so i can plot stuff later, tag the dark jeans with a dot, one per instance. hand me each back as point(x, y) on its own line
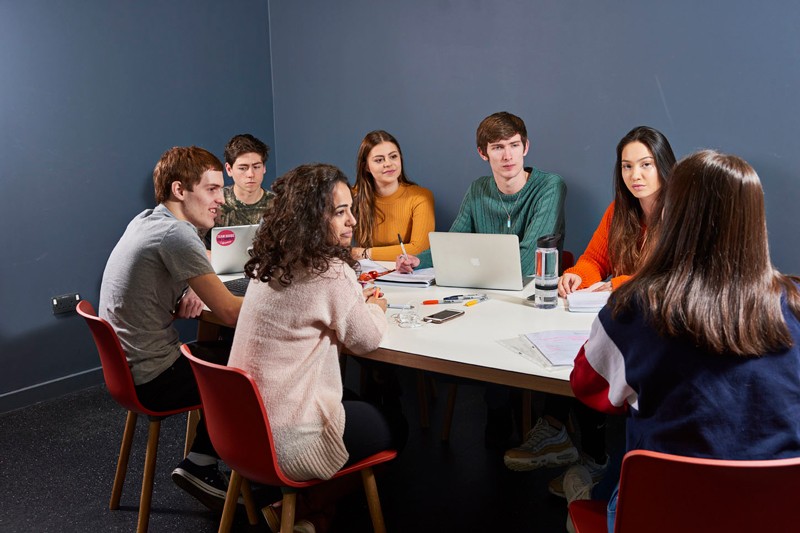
point(591, 423)
point(176, 387)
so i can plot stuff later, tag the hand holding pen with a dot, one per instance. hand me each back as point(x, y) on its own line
point(405, 264)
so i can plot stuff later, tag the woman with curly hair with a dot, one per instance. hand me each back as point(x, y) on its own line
point(303, 305)
point(387, 203)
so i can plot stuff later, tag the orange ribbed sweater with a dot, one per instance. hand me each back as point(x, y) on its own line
point(595, 264)
point(409, 212)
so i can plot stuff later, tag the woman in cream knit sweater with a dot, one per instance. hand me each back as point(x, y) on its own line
point(303, 305)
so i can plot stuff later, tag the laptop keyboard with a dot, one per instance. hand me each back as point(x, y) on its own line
point(238, 286)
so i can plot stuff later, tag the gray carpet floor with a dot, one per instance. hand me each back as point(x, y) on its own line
point(57, 462)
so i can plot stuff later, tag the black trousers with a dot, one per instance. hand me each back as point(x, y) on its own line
point(176, 387)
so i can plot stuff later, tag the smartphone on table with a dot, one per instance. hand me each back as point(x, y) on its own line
point(443, 316)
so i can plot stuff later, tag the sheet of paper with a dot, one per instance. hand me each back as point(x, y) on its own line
point(520, 345)
point(559, 347)
point(368, 265)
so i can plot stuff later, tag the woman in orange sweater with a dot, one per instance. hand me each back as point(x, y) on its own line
point(644, 161)
point(387, 204)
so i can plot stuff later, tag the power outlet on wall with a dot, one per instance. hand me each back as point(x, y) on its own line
point(66, 303)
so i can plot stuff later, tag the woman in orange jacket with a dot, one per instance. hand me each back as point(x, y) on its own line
point(644, 161)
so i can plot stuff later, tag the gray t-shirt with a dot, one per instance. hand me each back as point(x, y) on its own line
point(144, 278)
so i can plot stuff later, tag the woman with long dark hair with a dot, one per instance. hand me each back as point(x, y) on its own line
point(644, 161)
point(643, 164)
point(387, 203)
point(701, 348)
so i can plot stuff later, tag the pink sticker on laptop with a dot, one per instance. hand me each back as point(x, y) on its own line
point(226, 237)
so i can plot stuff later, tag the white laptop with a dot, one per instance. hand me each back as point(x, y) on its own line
point(230, 248)
point(477, 260)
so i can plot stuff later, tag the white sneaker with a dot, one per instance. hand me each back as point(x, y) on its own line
point(545, 446)
point(577, 486)
point(597, 471)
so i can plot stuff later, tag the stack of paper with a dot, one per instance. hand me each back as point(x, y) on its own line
point(586, 300)
point(559, 347)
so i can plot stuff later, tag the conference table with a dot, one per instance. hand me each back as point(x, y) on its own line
point(468, 346)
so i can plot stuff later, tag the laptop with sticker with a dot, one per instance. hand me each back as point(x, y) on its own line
point(477, 260)
point(230, 248)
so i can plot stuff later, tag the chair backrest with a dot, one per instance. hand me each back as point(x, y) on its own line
point(666, 493)
point(567, 260)
point(237, 421)
point(116, 371)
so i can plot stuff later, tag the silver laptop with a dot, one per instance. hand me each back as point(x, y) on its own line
point(230, 248)
point(477, 260)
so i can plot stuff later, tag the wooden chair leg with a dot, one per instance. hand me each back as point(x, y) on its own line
point(448, 415)
point(122, 461)
point(192, 418)
point(287, 511)
point(149, 473)
point(373, 500)
point(249, 504)
point(231, 497)
point(422, 400)
point(527, 397)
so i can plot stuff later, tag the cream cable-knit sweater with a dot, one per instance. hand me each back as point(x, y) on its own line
point(288, 339)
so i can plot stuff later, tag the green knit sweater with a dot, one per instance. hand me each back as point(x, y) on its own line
point(535, 210)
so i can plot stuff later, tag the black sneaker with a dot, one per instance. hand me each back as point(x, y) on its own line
point(206, 483)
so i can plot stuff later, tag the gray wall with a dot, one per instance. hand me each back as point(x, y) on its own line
point(581, 74)
point(92, 93)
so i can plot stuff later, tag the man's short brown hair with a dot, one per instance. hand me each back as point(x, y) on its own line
point(184, 164)
point(497, 127)
point(245, 144)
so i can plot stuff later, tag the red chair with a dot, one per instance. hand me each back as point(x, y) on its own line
point(119, 382)
point(239, 427)
point(567, 260)
point(661, 493)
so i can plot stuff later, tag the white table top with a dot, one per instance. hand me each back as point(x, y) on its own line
point(467, 345)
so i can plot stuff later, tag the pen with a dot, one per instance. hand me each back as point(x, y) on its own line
point(455, 299)
point(399, 306)
point(402, 246)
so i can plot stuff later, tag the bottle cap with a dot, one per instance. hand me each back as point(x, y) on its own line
point(548, 241)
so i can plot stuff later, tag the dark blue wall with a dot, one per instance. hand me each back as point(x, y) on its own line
point(91, 94)
point(581, 73)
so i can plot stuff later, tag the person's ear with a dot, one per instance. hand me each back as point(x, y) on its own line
point(483, 155)
point(228, 170)
point(178, 190)
point(527, 147)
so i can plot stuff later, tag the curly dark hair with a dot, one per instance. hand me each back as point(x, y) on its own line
point(295, 233)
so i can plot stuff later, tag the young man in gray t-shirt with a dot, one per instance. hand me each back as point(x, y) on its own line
point(159, 271)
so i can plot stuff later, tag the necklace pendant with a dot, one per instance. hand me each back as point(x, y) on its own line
point(508, 223)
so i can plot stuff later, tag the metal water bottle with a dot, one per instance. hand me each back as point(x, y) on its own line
point(546, 277)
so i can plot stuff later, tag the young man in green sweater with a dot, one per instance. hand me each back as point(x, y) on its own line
point(525, 201)
point(515, 199)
